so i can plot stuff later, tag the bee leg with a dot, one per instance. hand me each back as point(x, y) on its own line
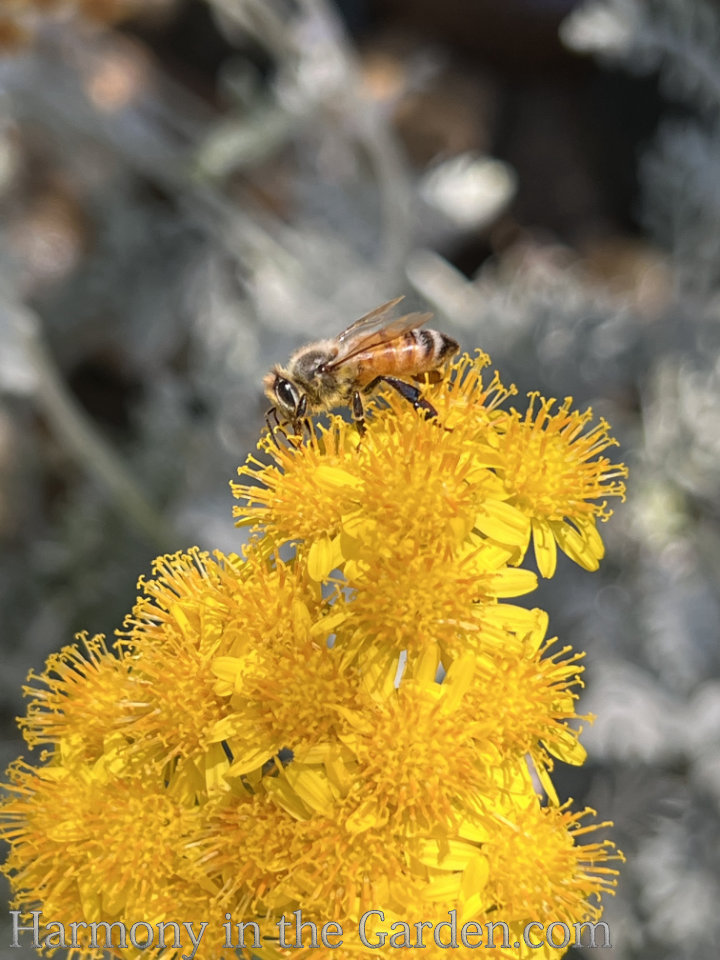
point(411, 394)
point(272, 412)
point(277, 428)
point(301, 421)
point(358, 412)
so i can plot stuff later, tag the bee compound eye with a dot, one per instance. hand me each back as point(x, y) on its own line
point(287, 394)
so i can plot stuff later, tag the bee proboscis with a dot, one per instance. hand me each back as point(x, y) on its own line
point(380, 347)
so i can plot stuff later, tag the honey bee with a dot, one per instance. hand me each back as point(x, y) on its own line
point(380, 347)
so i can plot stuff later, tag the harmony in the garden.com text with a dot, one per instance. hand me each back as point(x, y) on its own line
point(294, 932)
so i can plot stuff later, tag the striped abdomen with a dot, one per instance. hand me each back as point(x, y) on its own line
point(416, 351)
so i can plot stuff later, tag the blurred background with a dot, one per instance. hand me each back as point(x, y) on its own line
point(189, 189)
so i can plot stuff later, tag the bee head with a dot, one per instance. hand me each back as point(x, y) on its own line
point(282, 391)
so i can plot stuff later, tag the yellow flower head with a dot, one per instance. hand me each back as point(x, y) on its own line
point(441, 761)
point(436, 484)
point(347, 717)
point(534, 697)
point(94, 846)
point(82, 698)
point(553, 471)
point(542, 845)
point(187, 611)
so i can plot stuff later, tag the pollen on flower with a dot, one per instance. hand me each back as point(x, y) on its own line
point(361, 869)
point(420, 487)
point(302, 495)
point(209, 628)
point(554, 470)
point(411, 478)
point(82, 696)
point(436, 767)
point(422, 603)
point(268, 708)
point(172, 636)
point(466, 402)
point(549, 865)
point(351, 715)
point(535, 694)
point(89, 845)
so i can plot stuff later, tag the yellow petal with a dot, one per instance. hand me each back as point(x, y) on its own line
point(474, 830)
point(483, 457)
point(548, 786)
point(90, 896)
point(458, 680)
point(280, 791)
point(588, 530)
point(545, 549)
point(574, 545)
point(474, 880)
point(313, 789)
point(326, 625)
point(335, 478)
point(178, 614)
point(535, 636)
point(444, 889)
point(228, 671)
point(512, 583)
point(301, 620)
point(460, 527)
point(566, 747)
point(426, 666)
point(450, 855)
point(354, 523)
point(367, 816)
point(520, 620)
point(503, 522)
point(351, 545)
point(187, 783)
point(251, 757)
point(216, 766)
point(324, 555)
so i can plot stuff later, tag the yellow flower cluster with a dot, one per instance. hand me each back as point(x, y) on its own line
point(351, 716)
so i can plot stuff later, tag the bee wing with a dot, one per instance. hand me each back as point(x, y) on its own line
point(378, 326)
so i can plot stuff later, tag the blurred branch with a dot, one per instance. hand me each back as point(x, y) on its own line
point(80, 438)
point(314, 41)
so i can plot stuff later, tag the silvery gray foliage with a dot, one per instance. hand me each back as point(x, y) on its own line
point(167, 288)
point(189, 285)
point(683, 205)
point(657, 701)
point(678, 38)
point(133, 244)
point(649, 618)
